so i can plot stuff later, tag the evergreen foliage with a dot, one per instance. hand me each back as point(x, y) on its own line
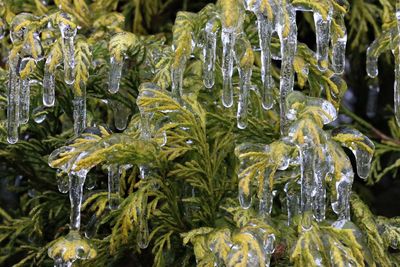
point(186, 144)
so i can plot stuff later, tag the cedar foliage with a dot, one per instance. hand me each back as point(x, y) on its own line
point(192, 195)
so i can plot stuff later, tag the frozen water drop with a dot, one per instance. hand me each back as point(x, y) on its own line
point(39, 114)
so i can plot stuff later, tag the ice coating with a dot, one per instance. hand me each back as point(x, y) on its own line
point(396, 53)
point(76, 182)
point(209, 53)
point(177, 79)
point(115, 74)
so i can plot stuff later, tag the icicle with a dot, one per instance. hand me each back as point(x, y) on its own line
point(339, 47)
point(79, 103)
point(372, 59)
point(67, 44)
point(288, 51)
point(265, 33)
point(322, 29)
point(76, 182)
point(363, 149)
point(39, 114)
point(121, 114)
point(143, 231)
point(48, 85)
point(245, 59)
point(14, 84)
point(209, 51)
point(228, 43)
point(113, 186)
point(115, 75)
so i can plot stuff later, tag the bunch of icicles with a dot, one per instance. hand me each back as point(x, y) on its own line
point(389, 39)
point(279, 18)
point(73, 178)
point(27, 51)
point(311, 153)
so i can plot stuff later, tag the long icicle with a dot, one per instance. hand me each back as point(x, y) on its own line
point(67, 44)
point(14, 84)
point(48, 85)
point(76, 182)
point(245, 57)
point(228, 37)
point(287, 32)
point(264, 34)
point(209, 53)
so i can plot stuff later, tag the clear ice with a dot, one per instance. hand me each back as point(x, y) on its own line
point(49, 85)
point(13, 97)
